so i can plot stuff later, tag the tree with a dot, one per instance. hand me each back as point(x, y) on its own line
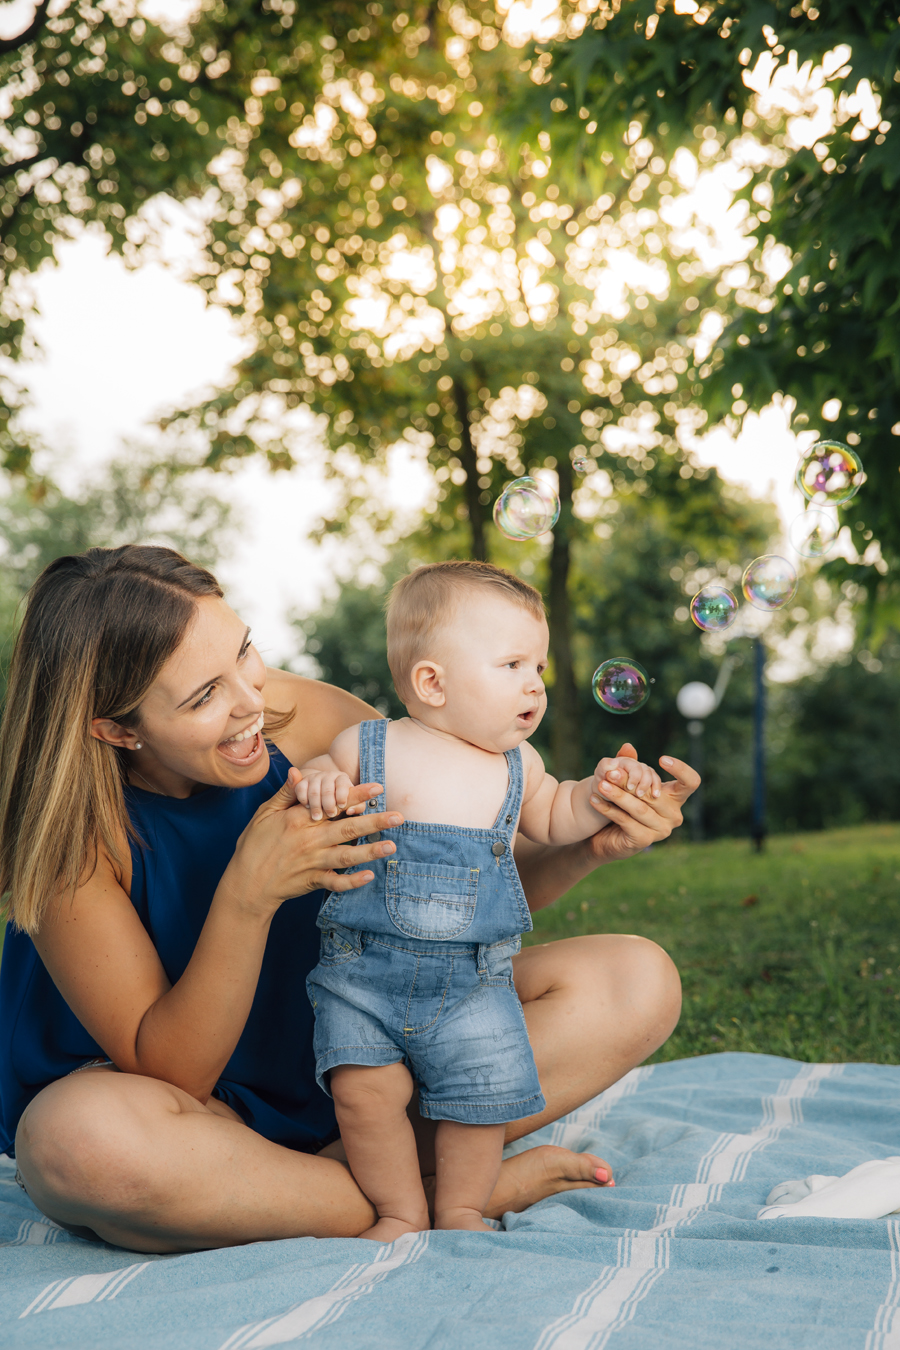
point(830, 327)
point(399, 271)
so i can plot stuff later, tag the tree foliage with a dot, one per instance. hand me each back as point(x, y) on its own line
point(399, 271)
point(830, 327)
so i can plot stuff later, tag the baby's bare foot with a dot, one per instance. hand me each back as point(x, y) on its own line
point(388, 1230)
point(461, 1217)
point(546, 1170)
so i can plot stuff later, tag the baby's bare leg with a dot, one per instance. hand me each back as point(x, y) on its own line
point(468, 1164)
point(370, 1104)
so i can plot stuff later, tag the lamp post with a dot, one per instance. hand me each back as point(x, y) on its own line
point(758, 831)
point(695, 702)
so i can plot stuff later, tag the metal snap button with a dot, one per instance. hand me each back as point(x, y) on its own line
point(374, 838)
point(509, 820)
point(373, 802)
point(498, 849)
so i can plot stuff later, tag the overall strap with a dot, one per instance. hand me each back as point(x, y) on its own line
point(371, 759)
point(512, 802)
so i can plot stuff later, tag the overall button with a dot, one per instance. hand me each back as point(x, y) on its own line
point(372, 803)
point(498, 849)
point(374, 838)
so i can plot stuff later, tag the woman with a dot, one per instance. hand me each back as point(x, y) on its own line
point(163, 886)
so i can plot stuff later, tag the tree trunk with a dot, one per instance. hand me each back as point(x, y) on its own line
point(469, 462)
point(565, 731)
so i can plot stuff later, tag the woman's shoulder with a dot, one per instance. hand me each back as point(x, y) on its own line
point(321, 711)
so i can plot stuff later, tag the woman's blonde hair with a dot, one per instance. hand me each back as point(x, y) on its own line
point(98, 628)
point(425, 600)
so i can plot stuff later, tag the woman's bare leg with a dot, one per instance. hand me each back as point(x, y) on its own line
point(596, 1007)
point(148, 1167)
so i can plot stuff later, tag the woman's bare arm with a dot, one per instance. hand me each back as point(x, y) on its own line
point(105, 965)
point(322, 711)
point(631, 825)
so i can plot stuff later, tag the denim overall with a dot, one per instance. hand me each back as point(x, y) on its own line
point(416, 966)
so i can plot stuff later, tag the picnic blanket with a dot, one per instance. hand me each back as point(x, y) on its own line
point(675, 1256)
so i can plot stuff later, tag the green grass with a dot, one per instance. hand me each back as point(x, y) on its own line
point(808, 968)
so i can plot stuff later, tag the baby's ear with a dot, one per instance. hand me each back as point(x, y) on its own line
point(427, 682)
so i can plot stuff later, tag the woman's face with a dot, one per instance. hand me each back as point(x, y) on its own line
point(207, 694)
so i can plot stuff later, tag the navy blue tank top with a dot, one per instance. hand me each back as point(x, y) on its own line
point(270, 1079)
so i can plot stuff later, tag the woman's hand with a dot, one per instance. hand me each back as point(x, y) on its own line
point(283, 852)
point(634, 823)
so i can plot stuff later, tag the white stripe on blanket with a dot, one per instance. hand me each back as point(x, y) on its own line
point(315, 1313)
point(83, 1289)
point(728, 1158)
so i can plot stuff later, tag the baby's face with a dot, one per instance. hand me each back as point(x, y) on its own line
point(493, 654)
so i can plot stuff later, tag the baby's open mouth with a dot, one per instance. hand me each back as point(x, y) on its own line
point(528, 717)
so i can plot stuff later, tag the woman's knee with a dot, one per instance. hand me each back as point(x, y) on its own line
point(84, 1139)
point(617, 971)
point(646, 983)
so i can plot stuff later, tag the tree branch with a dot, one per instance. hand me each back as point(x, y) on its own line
point(14, 43)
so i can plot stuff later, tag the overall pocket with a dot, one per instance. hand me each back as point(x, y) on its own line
point(339, 945)
point(431, 900)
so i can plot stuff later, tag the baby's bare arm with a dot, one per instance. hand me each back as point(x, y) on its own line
point(553, 812)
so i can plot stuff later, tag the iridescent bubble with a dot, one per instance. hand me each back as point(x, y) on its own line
point(547, 492)
point(813, 534)
point(769, 582)
point(526, 508)
point(581, 465)
point(621, 685)
point(830, 472)
point(714, 609)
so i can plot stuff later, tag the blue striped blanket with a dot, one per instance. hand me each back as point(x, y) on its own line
point(673, 1257)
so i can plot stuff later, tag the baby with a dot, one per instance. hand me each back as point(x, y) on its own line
point(414, 983)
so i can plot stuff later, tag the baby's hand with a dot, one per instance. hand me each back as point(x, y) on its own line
point(326, 791)
point(628, 773)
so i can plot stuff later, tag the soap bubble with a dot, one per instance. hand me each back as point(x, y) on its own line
point(714, 609)
point(621, 685)
point(581, 465)
point(526, 508)
point(769, 582)
point(830, 472)
point(813, 534)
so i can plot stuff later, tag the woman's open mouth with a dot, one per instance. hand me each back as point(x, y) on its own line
point(246, 746)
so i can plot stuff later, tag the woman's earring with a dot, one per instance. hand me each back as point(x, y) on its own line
point(138, 745)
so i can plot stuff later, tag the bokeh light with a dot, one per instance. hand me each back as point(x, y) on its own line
point(621, 685)
point(714, 609)
point(769, 582)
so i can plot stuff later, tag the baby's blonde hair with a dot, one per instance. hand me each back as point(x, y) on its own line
point(422, 602)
